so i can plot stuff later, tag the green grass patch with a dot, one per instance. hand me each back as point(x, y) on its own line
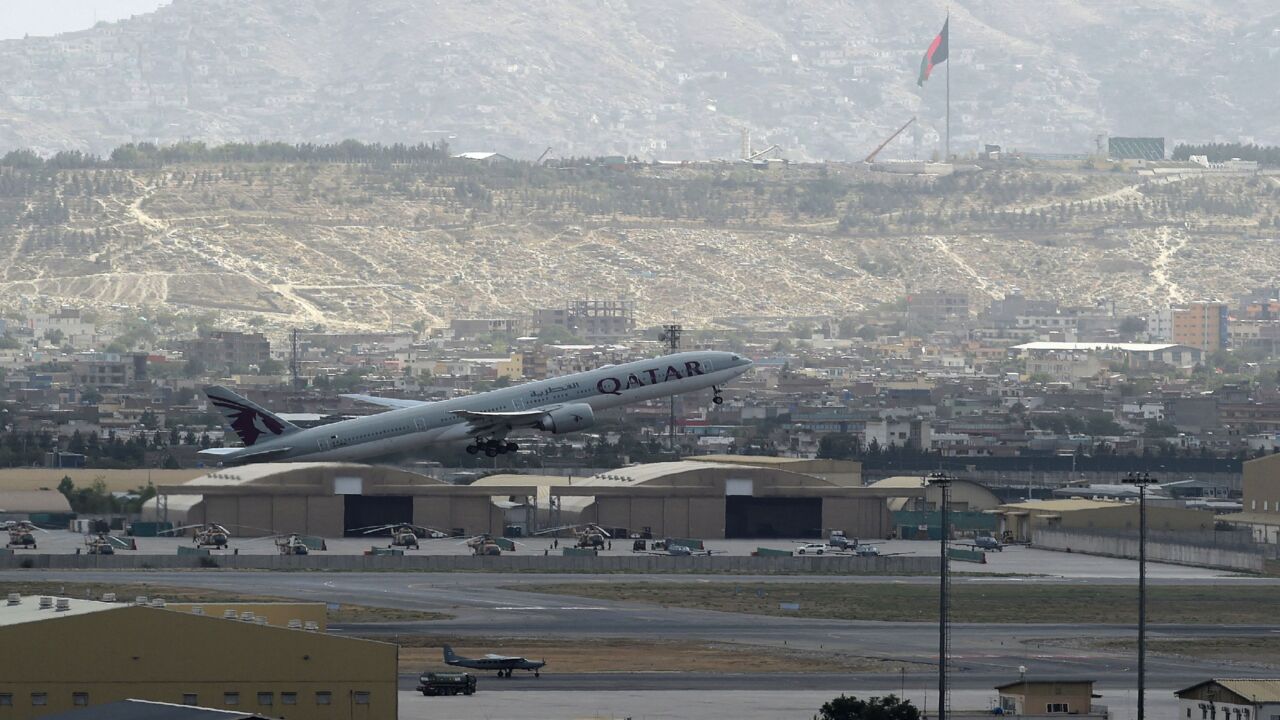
point(988, 602)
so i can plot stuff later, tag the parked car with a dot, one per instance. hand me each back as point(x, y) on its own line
point(815, 548)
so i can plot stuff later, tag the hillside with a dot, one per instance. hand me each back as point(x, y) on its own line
point(383, 245)
point(652, 78)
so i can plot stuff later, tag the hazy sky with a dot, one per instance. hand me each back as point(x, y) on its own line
point(49, 17)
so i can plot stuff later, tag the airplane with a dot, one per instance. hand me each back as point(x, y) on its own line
point(559, 405)
point(504, 664)
point(986, 542)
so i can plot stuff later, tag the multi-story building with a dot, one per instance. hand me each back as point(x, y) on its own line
point(1201, 324)
point(933, 307)
point(223, 349)
point(591, 319)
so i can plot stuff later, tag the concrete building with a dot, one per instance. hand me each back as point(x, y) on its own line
point(1202, 325)
point(83, 653)
point(1134, 355)
point(1021, 520)
point(591, 319)
point(932, 307)
point(1048, 697)
point(224, 349)
point(1261, 512)
point(699, 499)
point(1230, 699)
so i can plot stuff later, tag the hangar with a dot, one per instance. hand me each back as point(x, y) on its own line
point(699, 499)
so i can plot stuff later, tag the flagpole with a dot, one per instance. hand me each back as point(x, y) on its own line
point(948, 26)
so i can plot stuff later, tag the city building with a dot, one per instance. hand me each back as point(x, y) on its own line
point(1230, 699)
point(225, 349)
point(83, 653)
point(1203, 325)
point(933, 307)
point(591, 319)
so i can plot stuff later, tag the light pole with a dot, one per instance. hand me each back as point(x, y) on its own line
point(1142, 480)
point(942, 480)
point(671, 336)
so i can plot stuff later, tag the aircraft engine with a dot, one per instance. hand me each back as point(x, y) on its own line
point(567, 419)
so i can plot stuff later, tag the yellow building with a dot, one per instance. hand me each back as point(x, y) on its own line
point(1046, 697)
point(67, 653)
point(1022, 519)
point(1261, 512)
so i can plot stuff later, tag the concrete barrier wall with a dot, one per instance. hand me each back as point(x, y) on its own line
point(738, 565)
point(1224, 558)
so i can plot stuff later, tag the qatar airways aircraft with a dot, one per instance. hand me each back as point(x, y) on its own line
point(559, 405)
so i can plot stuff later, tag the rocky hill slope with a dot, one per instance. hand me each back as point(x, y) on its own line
point(369, 245)
point(653, 78)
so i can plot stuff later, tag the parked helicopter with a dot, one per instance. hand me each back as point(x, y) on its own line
point(106, 544)
point(22, 534)
point(404, 534)
point(589, 535)
point(486, 544)
point(292, 544)
point(211, 534)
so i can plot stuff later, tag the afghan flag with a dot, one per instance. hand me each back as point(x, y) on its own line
point(935, 55)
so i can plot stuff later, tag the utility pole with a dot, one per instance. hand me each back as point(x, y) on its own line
point(671, 336)
point(1142, 480)
point(943, 481)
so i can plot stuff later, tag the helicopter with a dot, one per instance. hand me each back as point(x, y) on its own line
point(22, 534)
point(486, 544)
point(208, 534)
point(291, 544)
point(589, 535)
point(106, 544)
point(404, 534)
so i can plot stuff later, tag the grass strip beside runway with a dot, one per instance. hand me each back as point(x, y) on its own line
point(971, 602)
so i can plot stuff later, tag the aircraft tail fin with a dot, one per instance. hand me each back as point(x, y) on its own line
point(448, 654)
point(249, 420)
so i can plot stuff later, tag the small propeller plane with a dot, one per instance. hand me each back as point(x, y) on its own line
point(503, 664)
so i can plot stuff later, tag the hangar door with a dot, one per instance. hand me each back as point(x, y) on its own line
point(772, 517)
point(363, 511)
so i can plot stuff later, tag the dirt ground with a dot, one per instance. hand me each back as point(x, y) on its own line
point(996, 602)
point(128, 591)
point(420, 653)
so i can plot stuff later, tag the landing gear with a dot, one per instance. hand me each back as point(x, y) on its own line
point(537, 674)
point(492, 447)
point(716, 398)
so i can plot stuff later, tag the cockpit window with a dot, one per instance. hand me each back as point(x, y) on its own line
point(736, 358)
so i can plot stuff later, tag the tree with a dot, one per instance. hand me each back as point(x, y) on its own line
point(66, 486)
point(885, 708)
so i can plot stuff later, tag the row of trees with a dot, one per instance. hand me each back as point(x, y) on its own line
point(1218, 152)
point(148, 155)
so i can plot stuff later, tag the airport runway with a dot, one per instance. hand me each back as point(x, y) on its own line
point(480, 607)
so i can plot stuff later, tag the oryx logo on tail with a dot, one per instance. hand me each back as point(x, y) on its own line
point(249, 421)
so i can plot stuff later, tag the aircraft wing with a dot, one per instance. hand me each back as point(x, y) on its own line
point(519, 418)
point(491, 656)
point(394, 403)
point(260, 456)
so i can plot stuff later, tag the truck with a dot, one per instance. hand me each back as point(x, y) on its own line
point(442, 683)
